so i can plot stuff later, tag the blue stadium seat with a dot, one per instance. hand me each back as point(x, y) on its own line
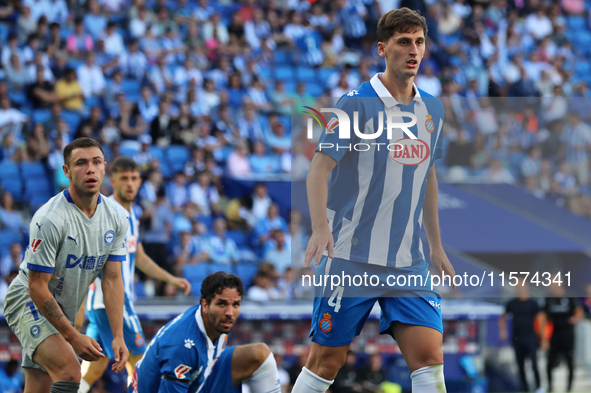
point(32, 169)
point(92, 102)
point(131, 87)
point(128, 151)
point(156, 152)
point(196, 272)
point(166, 170)
point(325, 73)
point(246, 271)
point(576, 22)
point(41, 115)
point(17, 97)
point(305, 74)
point(37, 187)
point(314, 89)
point(582, 68)
point(284, 73)
point(177, 156)
point(4, 31)
point(9, 170)
point(40, 199)
point(290, 87)
point(206, 220)
point(219, 267)
point(7, 237)
point(15, 186)
point(72, 118)
point(282, 57)
point(238, 237)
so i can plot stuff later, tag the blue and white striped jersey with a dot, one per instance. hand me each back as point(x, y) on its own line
point(181, 350)
point(94, 300)
point(375, 197)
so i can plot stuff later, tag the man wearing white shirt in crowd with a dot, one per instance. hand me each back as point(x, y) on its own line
point(260, 201)
point(538, 24)
point(41, 61)
point(11, 119)
point(222, 249)
point(186, 76)
point(13, 260)
point(263, 289)
point(134, 62)
point(139, 25)
point(57, 12)
point(429, 82)
point(204, 194)
point(113, 41)
point(90, 77)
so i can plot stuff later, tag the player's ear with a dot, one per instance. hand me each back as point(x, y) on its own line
point(66, 170)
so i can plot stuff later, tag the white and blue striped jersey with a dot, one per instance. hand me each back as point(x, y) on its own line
point(73, 247)
point(375, 197)
point(95, 300)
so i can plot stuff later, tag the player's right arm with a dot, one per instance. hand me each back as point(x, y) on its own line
point(317, 187)
point(84, 346)
point(40, 257)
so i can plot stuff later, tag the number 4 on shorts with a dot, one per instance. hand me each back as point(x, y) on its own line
point(338, 295)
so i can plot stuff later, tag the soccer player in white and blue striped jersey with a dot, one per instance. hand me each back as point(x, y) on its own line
point(367, 199)
point(126, 181)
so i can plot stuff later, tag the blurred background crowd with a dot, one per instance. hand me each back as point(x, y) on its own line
point(201, 91)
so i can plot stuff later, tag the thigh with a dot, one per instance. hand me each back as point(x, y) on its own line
point(36, 381)
point(411, 309)
point(55, 354)
point(420, 345)
point(219, 380)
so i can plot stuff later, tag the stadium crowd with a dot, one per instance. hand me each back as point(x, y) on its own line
point(199, 91)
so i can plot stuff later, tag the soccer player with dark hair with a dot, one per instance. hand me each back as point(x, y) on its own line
point(367, 206)
point(126, 181)
point(77, 235)
point(189, 353)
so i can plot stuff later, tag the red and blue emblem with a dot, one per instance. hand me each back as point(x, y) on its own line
point(429, 125)
point(326, 324)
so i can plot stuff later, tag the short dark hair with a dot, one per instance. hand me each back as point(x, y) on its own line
point(123, 164)
point(80, 143)
point(215, 283)
point(403, 20)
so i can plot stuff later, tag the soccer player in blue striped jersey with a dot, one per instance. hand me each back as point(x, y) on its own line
point(126, 181)
point(367, 204)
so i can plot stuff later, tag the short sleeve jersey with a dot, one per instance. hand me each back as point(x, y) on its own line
point(73, 247)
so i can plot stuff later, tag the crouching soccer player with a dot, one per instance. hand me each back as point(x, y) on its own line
point(188, 354)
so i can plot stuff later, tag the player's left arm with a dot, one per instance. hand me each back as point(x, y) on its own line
point(431, 223)
point(149, 267)
point(113, 296)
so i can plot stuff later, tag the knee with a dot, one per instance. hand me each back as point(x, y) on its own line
point(428, 358)
point(260, 353)
point(326, 365)
point(70, 374)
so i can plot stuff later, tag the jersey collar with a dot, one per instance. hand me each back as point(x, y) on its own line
point(201, 325)
point(385, 95)
point(69, 197)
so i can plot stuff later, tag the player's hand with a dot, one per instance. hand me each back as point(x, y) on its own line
point(319, 241)
point(121, 354)
point(86, 348)
point(442, 264)
point(181, 283)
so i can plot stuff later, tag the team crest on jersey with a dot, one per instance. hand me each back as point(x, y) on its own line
point(109, 237)
point(139, 340)
point(332, 125)
point(181, 371)
point(326, 324)
point(410, 151)
point(429, 125)
point(35, 331)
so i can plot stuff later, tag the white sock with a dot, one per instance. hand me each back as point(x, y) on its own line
point(129, 379)
point(84, 386)
point(266, 378)
point(428, 380)
point(309, 382)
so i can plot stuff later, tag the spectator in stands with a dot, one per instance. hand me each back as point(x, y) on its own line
point(260, 201)
point(91, 77)
point(281, 100)
point(93, 121)
point(161, 129)
point(11, 48)
point(204, 194)
point(41, 61)
point(133, 62)
point(347, 380)
point(186, 253)
point(148, 191)
point(38, 146)
point(567, 184)
point(25, 24)
point(278, 250)
point(9, 151)
point(69, 91)
point(79, 42)
point(60, 65)
point(12, 260)
point(222, 249)
point(277, 140)
point(250, 126)
point(94, 22)
point(496, 173)
point(460, 152)
point(11, 119)
point(428, 82)
point(530, 166)
point(266, 225)
point(262, 163)
point(373, 375)
point(576, 145)
point(263, 289)
point(55, 161)
point(156, 236)
point(177, 191)
point(113, 41)
point(11, 379)
point(215, 32)
point(10, 218)
point(238, 164)
point(16, 75)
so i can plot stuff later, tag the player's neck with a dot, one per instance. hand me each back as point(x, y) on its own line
point(126, 205)
point(211, 332)
point(400, 88)
point(86, 204)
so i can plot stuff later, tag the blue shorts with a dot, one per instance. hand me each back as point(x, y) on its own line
point(220, 378)
point(341, 311)
point(100, 329)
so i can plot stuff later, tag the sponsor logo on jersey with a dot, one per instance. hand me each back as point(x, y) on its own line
point(181, 371)
point(435, 304)
point(74, 239)
point(87, 262)
point(39, 226)
point(35, 331)
point(109, 237)
point(35, 244)
point(410, 151)
point(325, 323)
